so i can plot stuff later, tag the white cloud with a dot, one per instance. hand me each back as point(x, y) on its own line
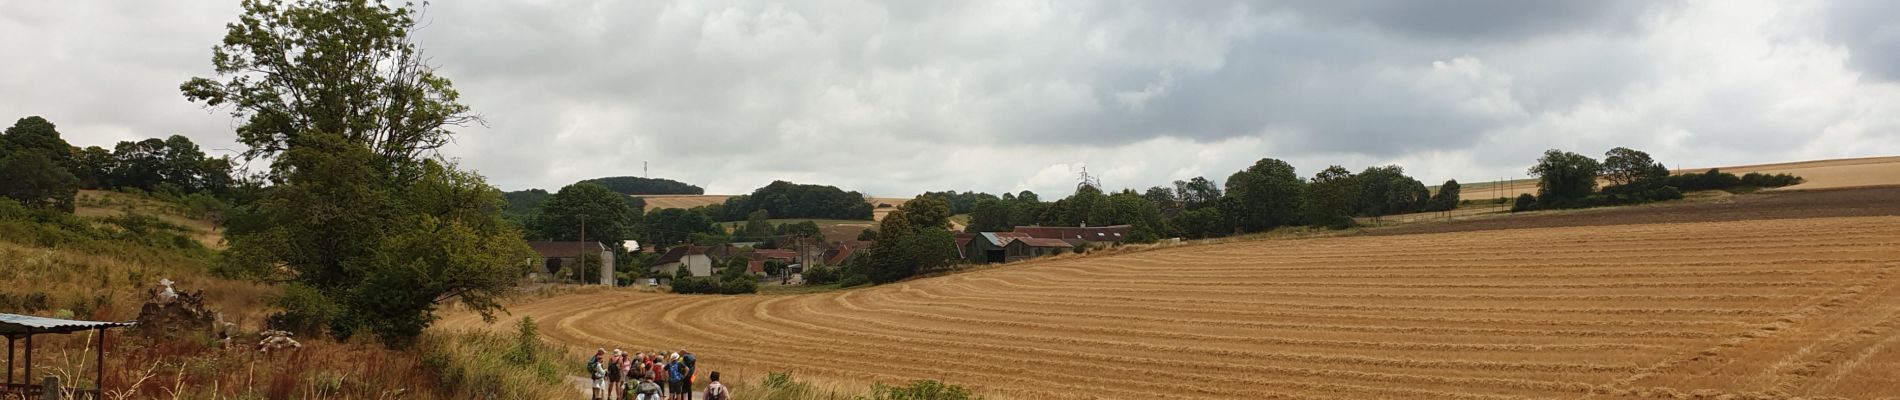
point(895, 99)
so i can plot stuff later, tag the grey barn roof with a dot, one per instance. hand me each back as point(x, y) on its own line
point(15, 325)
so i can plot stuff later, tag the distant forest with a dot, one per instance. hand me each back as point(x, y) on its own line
point(634, 185)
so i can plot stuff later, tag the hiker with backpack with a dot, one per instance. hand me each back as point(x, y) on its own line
point(716, 390)
point(688, 368)
point(675, 382)
point(598, 372)
point(647, 389)
point(616, 377)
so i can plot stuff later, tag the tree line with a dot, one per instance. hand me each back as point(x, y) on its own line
point(38, 168)
point(1571, 180)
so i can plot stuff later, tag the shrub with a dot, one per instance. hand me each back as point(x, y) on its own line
point(714, 285)
point(854, 280)
point(817, 275)
point(1525, 202)
point(924, 389)
point(305, 311)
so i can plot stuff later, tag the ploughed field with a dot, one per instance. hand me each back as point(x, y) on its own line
point(1791, 304)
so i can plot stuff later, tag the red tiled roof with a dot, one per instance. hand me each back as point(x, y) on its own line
point(838, 255)
point(755, 266)
point(777, 253)
point(565, 249)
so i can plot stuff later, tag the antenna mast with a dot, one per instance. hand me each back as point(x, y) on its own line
point(1084, 179)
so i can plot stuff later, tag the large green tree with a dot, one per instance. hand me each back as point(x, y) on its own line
point(1447, 197)
point(601, 211)
point(35, 180)
point(1564, 178)
point(1386, 190)
point(1631, 171)
point(1330, 197)
point(35, 134)
point(337, 96)
point(990, 215)
point(349, 68)
point(668, 227)
point(1196, 193)
point(1266, 194)
point(911, 244)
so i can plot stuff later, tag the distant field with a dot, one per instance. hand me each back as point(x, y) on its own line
point(696, 200)
point(1827, 174)
point(655, 202)
point(1820, 174)
point(833, 229)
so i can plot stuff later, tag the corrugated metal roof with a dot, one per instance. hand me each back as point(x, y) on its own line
point(17, 325)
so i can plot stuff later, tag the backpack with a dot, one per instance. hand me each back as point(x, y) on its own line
point(613, 368)
point(593, 367)
point(717, 392)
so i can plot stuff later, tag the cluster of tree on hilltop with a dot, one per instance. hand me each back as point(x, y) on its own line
point(633, 185)
point(783, 199)
point(38, 168)
point(1570, 180)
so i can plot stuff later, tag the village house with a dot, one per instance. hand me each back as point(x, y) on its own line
point(697, 260)
point(553, 256)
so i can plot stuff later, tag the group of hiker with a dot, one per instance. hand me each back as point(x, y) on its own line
point(653, 375)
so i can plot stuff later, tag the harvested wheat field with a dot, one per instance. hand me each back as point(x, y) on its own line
point(659, 201)
point(1792, 303)
point(1826, 174)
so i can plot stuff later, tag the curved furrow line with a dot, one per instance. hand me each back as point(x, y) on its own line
point(1495, 252)
point(788, 348)
point(1091, 283)
point(1648, 333)
point(1187, 291)
point(1325, 343)
point(1107, 346)
point(1362, 307)
point(1108, 362)
point(1348, 274)
point(1647, 263)
point(953, 299)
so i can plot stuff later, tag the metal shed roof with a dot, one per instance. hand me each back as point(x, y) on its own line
point(15, 325)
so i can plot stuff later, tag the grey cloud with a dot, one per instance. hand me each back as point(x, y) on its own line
point(897, 98)
point(1485, 20)
point(1871, 33)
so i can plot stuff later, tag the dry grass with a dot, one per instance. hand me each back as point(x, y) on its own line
point(1769, 308)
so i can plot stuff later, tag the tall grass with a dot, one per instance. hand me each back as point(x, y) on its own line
point(481, 364)
point(782, 386)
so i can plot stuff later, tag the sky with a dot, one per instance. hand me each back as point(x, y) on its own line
point(893, 99)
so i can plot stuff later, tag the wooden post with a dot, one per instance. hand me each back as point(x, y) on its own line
point(29, 356)
point(99, 381)
point(9, 360)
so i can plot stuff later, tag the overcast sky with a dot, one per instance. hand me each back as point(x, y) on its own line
point(895, 99)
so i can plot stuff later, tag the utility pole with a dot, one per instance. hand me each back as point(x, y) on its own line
point(580, 269)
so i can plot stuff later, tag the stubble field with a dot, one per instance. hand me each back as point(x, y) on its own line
point(1805, 305)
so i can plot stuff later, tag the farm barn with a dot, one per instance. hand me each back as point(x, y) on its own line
point(988, 247)
point(1100, 235)
point(1027, 248)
